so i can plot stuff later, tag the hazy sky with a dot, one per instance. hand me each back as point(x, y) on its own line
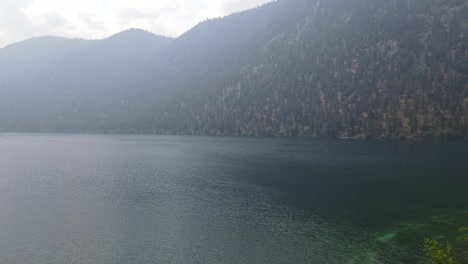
point(91, 19)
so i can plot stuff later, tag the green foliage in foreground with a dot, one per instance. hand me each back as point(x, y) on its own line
point(438, 254)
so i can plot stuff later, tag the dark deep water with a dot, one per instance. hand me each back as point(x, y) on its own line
point(164, 199)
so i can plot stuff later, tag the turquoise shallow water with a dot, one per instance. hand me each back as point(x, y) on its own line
point(164, 199)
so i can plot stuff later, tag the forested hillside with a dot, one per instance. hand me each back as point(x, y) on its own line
point(307, 68)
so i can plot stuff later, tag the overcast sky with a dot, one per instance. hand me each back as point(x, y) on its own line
point(95, 19)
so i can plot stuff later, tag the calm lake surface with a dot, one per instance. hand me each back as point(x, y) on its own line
point(174, 199)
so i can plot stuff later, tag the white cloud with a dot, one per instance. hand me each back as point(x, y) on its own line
point(94, 19)
point(13, 22)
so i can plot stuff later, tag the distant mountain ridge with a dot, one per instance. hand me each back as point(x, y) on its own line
point(298, 68)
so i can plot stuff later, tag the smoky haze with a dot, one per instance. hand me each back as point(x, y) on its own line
point(183, 131)
point(290, 68)
point(23, 19)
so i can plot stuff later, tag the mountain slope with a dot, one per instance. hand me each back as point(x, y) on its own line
point(31, 55)
point(379, 69)
point(70, 91)
point(359, 68)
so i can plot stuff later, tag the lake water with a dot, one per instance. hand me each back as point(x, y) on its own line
point(173, 199)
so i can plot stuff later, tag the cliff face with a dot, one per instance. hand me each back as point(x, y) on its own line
point(355, 68)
